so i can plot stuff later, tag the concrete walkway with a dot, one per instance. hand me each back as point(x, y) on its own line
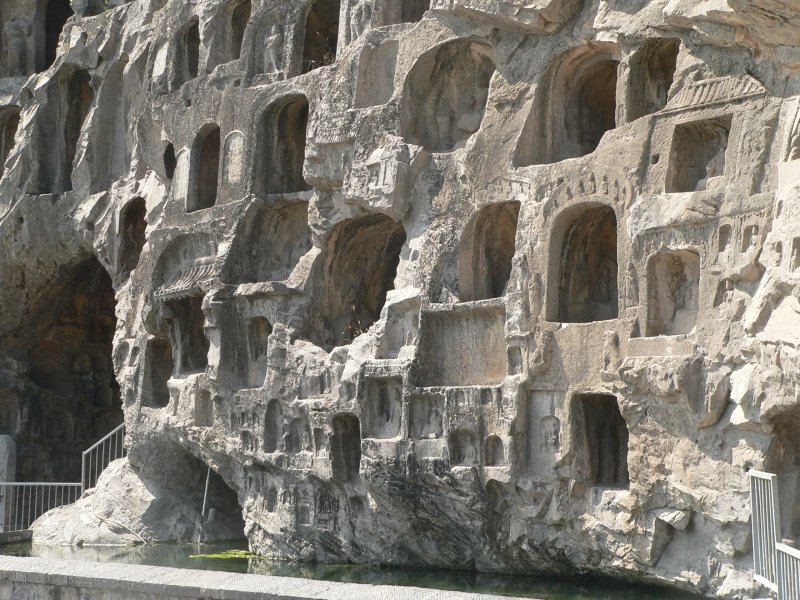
point(35, 577)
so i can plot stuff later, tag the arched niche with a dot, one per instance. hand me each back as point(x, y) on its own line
point(486, 252)
point(600, 439)
point(298, 438)
point(228, 27)
point(273, 427)
point(583, 265)
point(321, 33)
point(240, 17)
point(170, 161)
point(58, 130)
point(462, 446)
point(193, 483)
point(258, 331)
point(132, 234)
point(9, 123)
point(72, 398)
point(652, 69)
point(445, 95)
point(576, 106)
point(158, 369)
point(359, 266)
point(55, 16)
point(204, 170)
point(186, 54)
point(673, 284)
point(379, 13)
point(108, 144)
point(494, 452)
point(271, 241)
point(281, 135)
point(346, 448)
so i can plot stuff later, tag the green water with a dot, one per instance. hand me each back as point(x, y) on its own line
point(179, 555)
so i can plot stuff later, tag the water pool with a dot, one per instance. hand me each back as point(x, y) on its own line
point(180, 556)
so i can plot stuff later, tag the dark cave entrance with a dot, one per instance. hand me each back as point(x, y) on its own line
point(72, 398)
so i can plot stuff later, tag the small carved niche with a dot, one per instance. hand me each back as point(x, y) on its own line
point(205, 169)
point(724, 238)
point(321, 35)
point(56, 15)
point(298, 438)
point(203, 408)
point(190, 345)
point(170, 161)
point(282, 140)
point(673, 278)
point(587, 277)
point(750, 238)
point(273, 427)
point(9, 123)
point(494, 452)
point(487, 251)
point(601, 440)
point(425, 416)
point(159, 367)
point(132, 233)
point(240, 16)
point(795, 254)
point(452, 83)
point(382, 408)
point(697, 156)
point(186, 59)
point(463, 448)
point(652, 69)
point(346, 448)
point(258, 332)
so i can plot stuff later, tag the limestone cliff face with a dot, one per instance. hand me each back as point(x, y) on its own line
point(491, 284)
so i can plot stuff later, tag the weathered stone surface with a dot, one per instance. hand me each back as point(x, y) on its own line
point(500, 285)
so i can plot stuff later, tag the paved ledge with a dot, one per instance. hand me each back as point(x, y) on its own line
point(100, 581)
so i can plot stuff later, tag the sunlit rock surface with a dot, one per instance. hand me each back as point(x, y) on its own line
point(487, 284)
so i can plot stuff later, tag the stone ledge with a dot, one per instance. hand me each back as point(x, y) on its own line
point(165, 582)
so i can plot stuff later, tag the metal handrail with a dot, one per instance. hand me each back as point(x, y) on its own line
point(765, 522)
point(98, 456)
point(788, 572)
point(775, 565)
point(21, 503)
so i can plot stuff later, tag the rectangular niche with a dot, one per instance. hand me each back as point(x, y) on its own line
point(187, 330)
point(673, 283)
point(376, 68)
point(382, 408)
point(203, 409)
point(600, 439)
point(697, 155)
point(425, 415)
point(158, 368)
point(542, 431)
point(462, 346)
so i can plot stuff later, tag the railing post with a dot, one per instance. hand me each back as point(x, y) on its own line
point(765, 521)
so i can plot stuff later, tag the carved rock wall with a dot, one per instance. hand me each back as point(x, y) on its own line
point(500, 285)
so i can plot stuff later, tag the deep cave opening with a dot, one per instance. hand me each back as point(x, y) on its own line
point(72, 398)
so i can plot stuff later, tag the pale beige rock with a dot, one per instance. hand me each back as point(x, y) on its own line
point(503, 285)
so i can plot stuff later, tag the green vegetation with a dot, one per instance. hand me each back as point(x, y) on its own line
point(228, 554)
